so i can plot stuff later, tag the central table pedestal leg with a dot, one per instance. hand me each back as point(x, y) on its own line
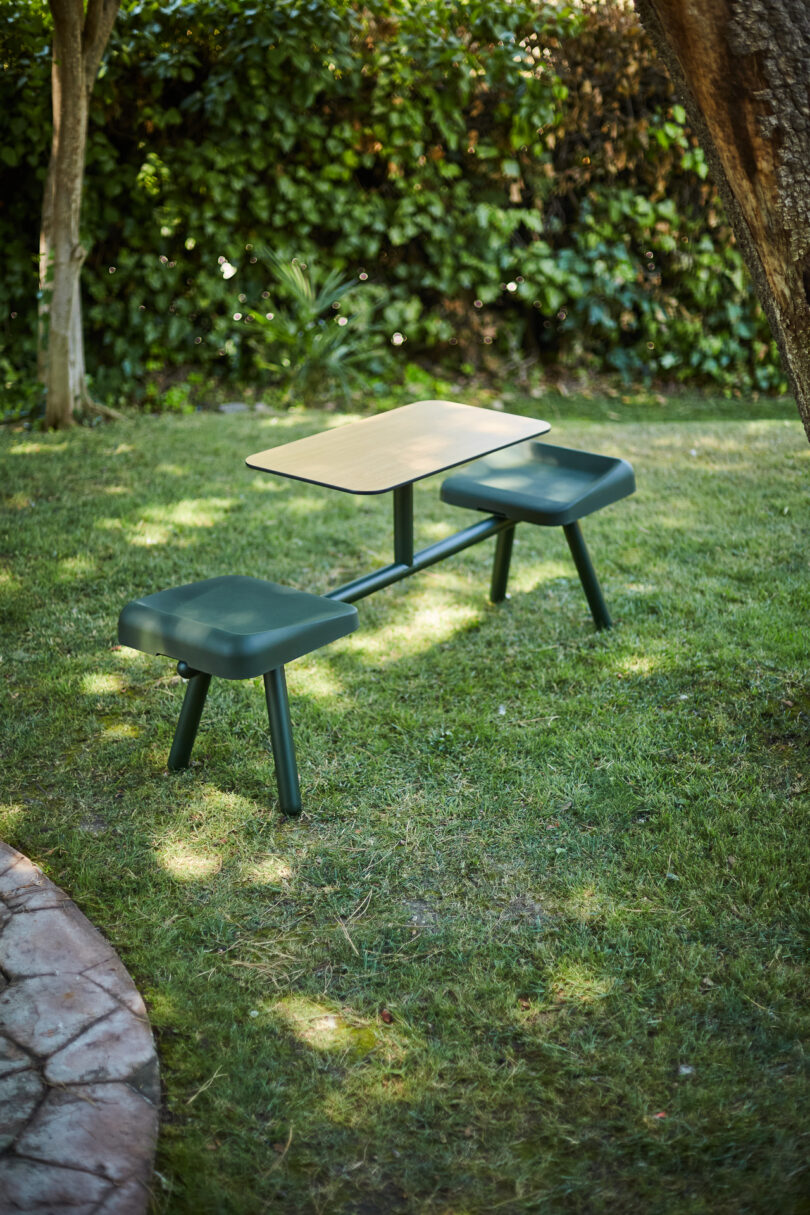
point(403, 525)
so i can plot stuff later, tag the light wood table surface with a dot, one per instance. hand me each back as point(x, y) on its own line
point(397, 448)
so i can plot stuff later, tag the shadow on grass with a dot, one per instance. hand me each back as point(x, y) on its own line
point(536, 942)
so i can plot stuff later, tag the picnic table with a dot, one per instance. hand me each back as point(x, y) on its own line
point(388, 453)
point(237, 627)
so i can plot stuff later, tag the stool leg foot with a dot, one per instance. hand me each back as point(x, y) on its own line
point(278, 711)
point(500, 565)
point(587, 576)
point(190, 713)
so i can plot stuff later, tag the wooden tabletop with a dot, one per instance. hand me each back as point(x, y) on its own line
point(395, 448)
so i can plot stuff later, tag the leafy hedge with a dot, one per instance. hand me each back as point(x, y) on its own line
point(506, 178)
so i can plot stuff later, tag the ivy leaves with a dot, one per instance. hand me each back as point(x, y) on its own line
point(501, 169)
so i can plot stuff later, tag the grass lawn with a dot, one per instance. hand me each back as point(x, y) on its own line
point(537, 943)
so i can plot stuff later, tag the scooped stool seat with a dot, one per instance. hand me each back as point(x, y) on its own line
point(547, 485)
point(235, 627)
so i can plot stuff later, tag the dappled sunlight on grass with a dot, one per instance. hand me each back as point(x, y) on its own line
point(19, 501)
point(267, 871)
point(122, 729)
point(109, 525)
point(9, 582)
point(31, 448)
point(429, 533)
point(262, 484)
point(642, 665)
point(97, 684)
point(293, 419)
point(190, 512)
point(12, 813)
point(572, 982)
point(305, 503)
point(151, 536)
point(314, 679)
point(584, 904)
point(165, 523)
point(427, 622)
point(323, 1028)
point(75, 568)
point(127, 657)
point(188, 864)
point(527, 576)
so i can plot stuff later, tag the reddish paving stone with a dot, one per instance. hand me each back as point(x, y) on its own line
point(106, 1127)
point(26, 1186)
point(20, 1094)
point(112, 1049)
point(46, 1012)
point(51, 942)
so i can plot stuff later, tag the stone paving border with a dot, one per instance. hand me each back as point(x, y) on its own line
point(79, 1084)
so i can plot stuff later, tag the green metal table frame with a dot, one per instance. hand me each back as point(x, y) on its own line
point(407, 562)
point(388, 453)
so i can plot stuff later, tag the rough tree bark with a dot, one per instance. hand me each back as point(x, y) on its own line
point(80, 35)
point(743, 68)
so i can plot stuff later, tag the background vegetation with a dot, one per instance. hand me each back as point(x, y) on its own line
point(506, 182)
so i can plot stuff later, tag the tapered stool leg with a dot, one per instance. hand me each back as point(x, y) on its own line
point(500, 564)
point(278, 711)
point(587, 576)
point(189, 720)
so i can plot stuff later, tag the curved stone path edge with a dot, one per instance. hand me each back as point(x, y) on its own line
point(79, 1082)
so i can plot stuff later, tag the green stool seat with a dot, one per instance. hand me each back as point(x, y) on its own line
point(235, 627)
point(547, 485)
point(541, 483)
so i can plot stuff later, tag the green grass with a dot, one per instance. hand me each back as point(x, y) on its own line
point(570, 868)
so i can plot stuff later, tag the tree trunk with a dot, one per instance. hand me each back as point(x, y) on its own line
point(79, 39)
point(742, 68)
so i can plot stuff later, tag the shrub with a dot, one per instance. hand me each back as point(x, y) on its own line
point(499, 170)
point(309, 344)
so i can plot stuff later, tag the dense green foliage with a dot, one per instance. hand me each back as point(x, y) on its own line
point(507, 178)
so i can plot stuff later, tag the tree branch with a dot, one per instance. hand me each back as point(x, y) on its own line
point(98, 24)
point(104, 411)
point(67, 16)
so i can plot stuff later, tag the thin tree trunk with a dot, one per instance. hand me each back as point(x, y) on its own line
point(79, 39)
point(743, 69)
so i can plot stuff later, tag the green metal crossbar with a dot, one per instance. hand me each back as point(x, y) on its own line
point(403, 540)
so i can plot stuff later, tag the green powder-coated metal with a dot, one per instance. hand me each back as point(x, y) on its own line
point(388, 574)
point(403, 524)
point(236, 627)
point(540, 483)
point(500, 564)
point(546, 485)
point(189, 720)
point(281, 738)
point(233, 626)
point(587, 576)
